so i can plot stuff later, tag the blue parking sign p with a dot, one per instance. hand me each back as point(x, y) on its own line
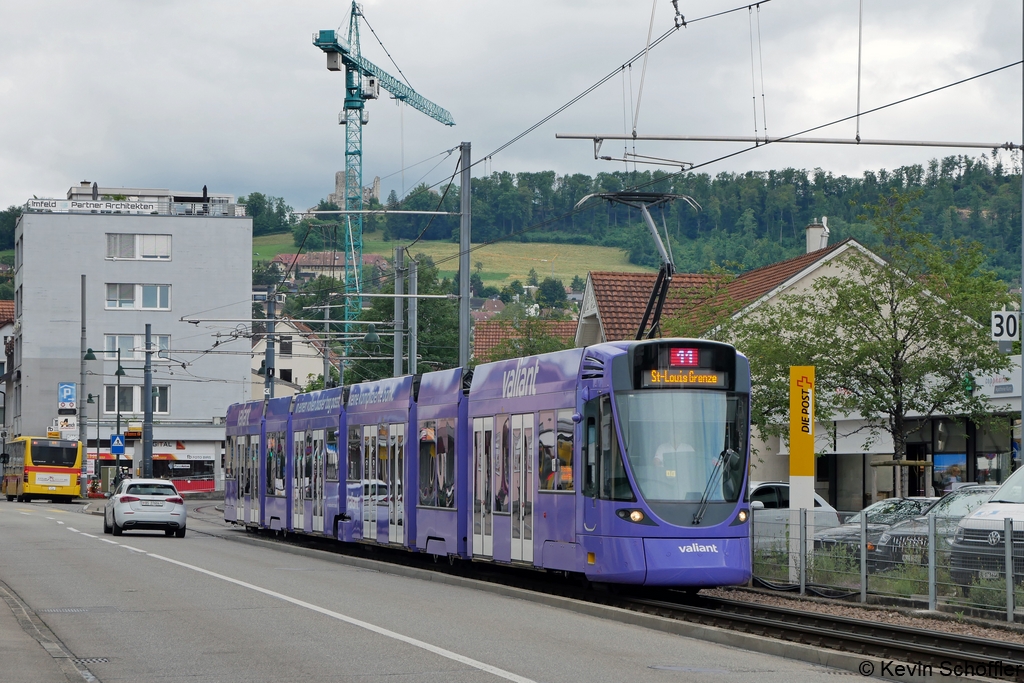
point(66, 392)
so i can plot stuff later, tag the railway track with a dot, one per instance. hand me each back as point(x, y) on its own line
point(888, 642)
point(903, 644)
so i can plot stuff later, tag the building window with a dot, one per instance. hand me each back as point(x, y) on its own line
point(286, 345)
point(138, 247)
point(133, 346)
point(130, 400)
point(138, 297)
point(285, 375)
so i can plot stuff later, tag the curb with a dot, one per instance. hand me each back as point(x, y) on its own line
point(831, 659)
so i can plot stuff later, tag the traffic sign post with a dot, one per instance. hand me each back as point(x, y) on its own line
point(117, 450)
point(1005, 326)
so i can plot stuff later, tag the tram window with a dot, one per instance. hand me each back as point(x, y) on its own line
point(275, 463)
point(555, 439)
point(501, 485)
point(446, 463)
point(331, 473)
point(564, 450)
point(604, 475)
point(355, 454)
point(428, 462)
point(229, 461)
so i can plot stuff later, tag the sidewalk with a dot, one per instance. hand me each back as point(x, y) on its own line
point(32, 655)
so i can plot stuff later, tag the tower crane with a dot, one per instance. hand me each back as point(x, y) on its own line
point(363, 81)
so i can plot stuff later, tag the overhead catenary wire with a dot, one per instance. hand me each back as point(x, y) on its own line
point(643, 71)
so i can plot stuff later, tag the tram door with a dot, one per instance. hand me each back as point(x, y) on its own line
point(244, 490)
point(370, 482)
point(298, 477)
point(254, 478)
point(483, 444)
point(522, 488)
point(316, 466)
point(237, 464)
point(395, 468)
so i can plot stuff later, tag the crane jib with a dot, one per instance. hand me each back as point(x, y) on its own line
point(329, 41)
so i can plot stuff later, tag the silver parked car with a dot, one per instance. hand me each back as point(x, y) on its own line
point(769, 504)
point(145, 504)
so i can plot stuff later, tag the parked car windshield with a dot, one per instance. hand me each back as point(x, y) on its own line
point(890, 511)
point(1012, 490)
point(960, 503)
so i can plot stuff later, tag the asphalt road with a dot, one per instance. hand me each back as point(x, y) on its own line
point(206, 608)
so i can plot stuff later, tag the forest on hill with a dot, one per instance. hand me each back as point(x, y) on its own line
point(746, 220)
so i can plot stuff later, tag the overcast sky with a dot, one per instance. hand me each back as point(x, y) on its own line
point(231, 94)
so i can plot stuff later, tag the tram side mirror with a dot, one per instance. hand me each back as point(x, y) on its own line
point(576, 417)
point(756, 505)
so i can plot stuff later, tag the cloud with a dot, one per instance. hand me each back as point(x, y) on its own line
point(234, 95)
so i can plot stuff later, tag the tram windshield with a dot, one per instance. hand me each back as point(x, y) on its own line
point(687, 446)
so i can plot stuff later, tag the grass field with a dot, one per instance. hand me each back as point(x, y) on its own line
point(502, 262)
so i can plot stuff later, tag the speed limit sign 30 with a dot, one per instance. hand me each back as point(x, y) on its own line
point(1005, 325)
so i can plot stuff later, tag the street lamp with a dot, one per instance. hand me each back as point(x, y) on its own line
point(95, 398)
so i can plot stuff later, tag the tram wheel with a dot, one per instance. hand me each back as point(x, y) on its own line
point(10, 499)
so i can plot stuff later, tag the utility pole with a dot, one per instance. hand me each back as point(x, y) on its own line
point(147, 414)
point(79, 400)
point(399, 311)
point(414, 313)
point(268, 358)
point(464, 241)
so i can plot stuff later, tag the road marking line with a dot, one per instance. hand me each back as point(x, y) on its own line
point(138, 550)
point(27, 514)
point(501, 673)
point(107, 540)
point(89, 535)
point(50, 518)
point(59, 522)
point(71, 528)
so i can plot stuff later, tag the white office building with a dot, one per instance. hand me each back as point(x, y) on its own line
point(178, 261)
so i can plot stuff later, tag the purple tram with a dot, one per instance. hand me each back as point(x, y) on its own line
point(242, 466)
point(625, 462)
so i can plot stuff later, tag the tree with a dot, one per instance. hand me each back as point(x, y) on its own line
point(8, 219)
point(269, 214)
point(551, 293)
point(264, 274)
point(531, 278)
point(527, 336)
point(438, 340)
point(888, 337)
point(509, 292)
point(578, 284)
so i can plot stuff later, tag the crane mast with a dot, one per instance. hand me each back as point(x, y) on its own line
point(363, 81)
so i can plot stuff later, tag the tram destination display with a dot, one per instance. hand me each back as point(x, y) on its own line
point(674, 366)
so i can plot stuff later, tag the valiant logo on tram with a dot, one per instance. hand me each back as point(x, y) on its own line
point(522, 381)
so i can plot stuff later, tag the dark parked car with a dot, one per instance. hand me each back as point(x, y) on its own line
point(907, 542)
point(880, 516)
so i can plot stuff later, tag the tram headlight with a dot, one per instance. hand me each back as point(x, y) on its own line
point(742, 516)
point(633, 515)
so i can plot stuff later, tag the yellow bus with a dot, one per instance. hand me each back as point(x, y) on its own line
point(35, 467)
